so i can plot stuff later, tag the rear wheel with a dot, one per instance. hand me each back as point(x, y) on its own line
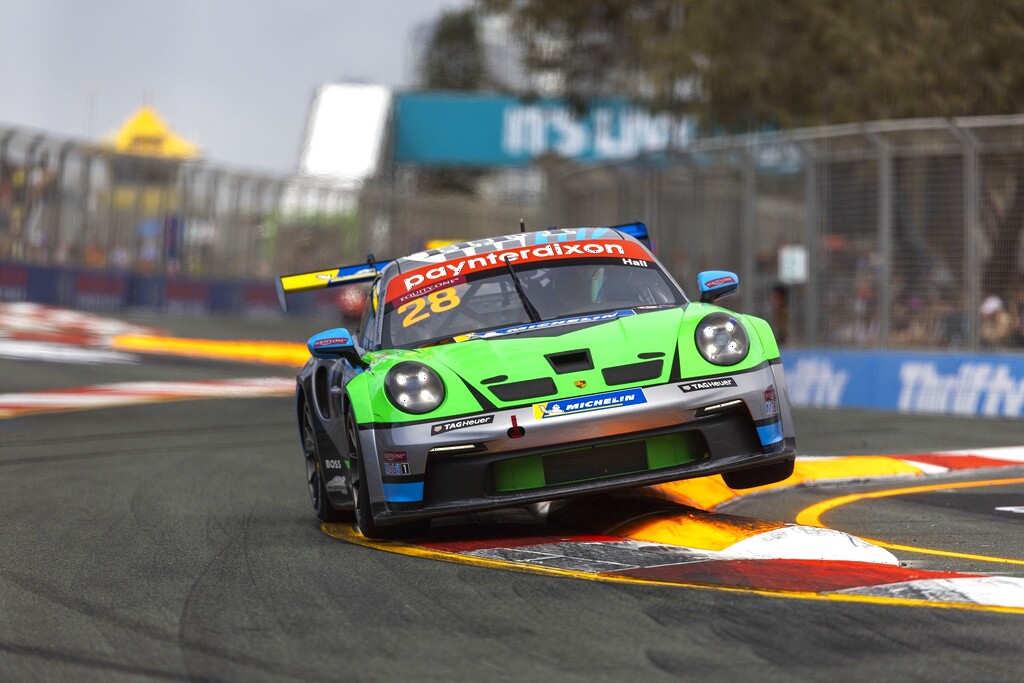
point(315, 473)
point(759, 476)
point(364, 515)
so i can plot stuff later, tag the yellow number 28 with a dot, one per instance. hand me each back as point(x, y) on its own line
point(437, 302)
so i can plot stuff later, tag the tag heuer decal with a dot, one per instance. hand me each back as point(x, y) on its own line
point(717, 383)
point(445, 427)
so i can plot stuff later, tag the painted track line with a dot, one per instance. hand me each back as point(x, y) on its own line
point(699, 549)
point(137, 393)
point(811, 516)
point(738, 577)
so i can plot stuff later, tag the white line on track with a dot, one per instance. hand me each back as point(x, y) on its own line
point(133, 393)
point(61, 353)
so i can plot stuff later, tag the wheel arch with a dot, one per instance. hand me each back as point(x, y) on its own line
point(300, 406)
point(357, 398)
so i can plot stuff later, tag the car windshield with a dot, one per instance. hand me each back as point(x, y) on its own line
point(491, 299)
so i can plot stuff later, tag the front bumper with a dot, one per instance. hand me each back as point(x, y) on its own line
point(635, 437)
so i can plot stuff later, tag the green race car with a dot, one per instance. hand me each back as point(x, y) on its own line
point(530, 367)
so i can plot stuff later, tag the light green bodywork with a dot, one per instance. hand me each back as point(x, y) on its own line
point(522, 357)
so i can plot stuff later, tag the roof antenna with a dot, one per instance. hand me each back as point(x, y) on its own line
point(522, 225)
point(372, 262)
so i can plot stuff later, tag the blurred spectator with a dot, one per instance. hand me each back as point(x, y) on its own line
point(915, 324)
point(41, 208)
point(12, 182)
point(94, 256)
point(996, 325)
point(121, 259)
point(951, 323)
point(6, 209)
point(1017, 311)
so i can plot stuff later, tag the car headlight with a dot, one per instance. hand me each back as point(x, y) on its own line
point(414, 388)
point(721, 339)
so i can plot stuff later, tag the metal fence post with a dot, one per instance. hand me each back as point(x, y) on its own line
point(885, 228)
point(692, 239)
point(972, 233)
point(811, 232)
point(748, 228)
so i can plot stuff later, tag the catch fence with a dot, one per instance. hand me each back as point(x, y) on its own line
point(68, 203)
point(878, 235)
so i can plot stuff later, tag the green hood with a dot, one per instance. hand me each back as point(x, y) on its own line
point(630, 351)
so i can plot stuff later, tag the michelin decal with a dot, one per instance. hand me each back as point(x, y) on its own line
point(568, 406)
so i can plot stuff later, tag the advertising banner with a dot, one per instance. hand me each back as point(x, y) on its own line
point(494, 130)
point(981, 385)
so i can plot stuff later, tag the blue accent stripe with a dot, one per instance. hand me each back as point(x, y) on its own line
point(404, 493)
point(770, 434)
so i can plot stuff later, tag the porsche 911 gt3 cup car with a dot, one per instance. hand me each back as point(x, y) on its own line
point(529, 367)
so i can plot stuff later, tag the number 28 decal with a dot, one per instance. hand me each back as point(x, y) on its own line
point(421, 308)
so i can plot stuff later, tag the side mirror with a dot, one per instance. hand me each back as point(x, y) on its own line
point(334, 343)
point(717, 284)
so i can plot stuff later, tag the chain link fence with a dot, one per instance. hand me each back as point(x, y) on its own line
point(881, 235)
point(891, 234)
point(63, 202)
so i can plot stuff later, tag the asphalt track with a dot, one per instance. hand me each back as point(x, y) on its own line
point(174, 541)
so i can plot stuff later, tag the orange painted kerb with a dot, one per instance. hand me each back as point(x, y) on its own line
point(264, 352)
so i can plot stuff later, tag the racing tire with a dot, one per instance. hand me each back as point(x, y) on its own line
point(364, 515)
point(315, 472)
point(759, 476)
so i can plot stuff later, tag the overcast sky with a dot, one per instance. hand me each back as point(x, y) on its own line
point(234, 76)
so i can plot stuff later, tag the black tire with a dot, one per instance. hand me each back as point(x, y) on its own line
point(364, 515)
point(759, 476)
point(315, 472)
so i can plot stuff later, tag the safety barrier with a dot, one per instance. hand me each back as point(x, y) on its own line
point(99, 290)
point(977, 385)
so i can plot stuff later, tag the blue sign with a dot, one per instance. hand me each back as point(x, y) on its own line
point(493, 130)
point(981, 385)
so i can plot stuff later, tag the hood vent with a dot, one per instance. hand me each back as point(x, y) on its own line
point(633, 372)
point(570, 361)
point(527, 389)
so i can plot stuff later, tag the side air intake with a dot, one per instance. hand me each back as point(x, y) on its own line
point(526, 389)
point(633, 372)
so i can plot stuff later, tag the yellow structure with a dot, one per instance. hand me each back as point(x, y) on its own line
point(146, 134)
point(145, 168)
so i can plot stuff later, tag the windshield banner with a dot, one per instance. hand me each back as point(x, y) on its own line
point(423, 280)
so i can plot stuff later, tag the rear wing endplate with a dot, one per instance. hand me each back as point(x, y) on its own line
point(637, 230)
point(322, 279)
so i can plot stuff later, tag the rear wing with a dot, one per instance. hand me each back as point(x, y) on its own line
point(366, 272)
point(322, 279)
point(637, 230)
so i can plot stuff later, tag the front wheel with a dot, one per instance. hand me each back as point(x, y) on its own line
point(364, 515)
point(759, 476)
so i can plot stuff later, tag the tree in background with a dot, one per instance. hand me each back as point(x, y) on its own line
point(582, 51)
point(751, 63)
point(454, 57)
point(741, 65)
point(454, 60)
